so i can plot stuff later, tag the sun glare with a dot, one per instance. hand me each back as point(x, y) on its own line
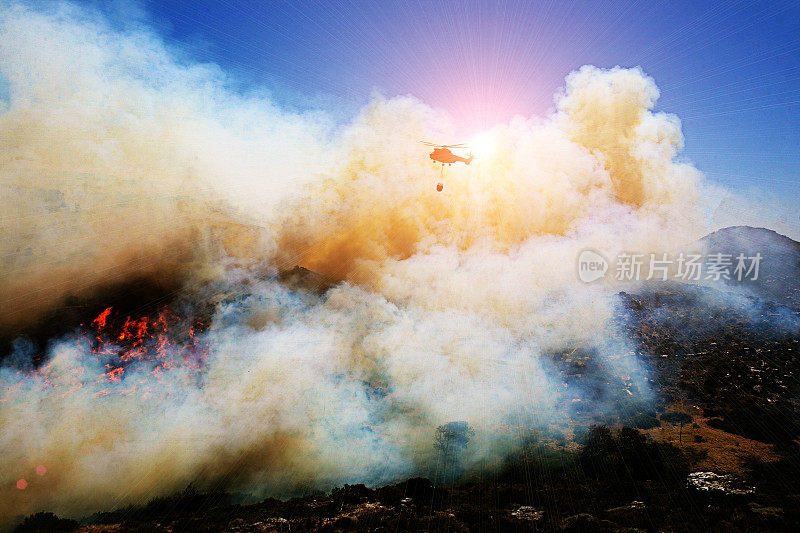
point(483, 145)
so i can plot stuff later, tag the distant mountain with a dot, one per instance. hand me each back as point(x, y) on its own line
point(302, 278)
point(750, 238)
point(779, 268)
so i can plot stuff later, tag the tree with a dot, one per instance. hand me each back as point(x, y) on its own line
point(453, 436)
point(451, 440)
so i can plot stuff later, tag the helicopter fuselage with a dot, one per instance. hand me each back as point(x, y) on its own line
point(445, 156)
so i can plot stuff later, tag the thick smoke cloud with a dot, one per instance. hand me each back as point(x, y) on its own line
point(114, 154)
point(121, 159)
point(603, 151)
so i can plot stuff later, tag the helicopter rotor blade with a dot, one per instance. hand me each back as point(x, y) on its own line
point(443, 145)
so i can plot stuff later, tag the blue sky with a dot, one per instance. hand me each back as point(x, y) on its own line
point(729, 70)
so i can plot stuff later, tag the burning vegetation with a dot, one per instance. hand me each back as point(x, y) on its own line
point(162, 341)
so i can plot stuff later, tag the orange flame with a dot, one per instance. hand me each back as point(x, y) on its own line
point(100, 321)
point(114, 374)
point(147, 339)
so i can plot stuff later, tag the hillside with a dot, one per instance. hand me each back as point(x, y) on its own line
point(716, 449)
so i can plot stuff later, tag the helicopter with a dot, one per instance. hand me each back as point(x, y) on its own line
point(442, 154)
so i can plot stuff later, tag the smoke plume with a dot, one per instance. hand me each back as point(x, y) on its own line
point(123, 159)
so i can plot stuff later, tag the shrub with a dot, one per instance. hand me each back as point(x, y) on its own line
point(45, 523)
point(629, 454)
point(644, 421)
point(676, 418)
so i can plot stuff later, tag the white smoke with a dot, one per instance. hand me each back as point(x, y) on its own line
point(121, 159)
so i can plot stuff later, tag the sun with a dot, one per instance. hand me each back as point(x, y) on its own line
point(483, 145)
